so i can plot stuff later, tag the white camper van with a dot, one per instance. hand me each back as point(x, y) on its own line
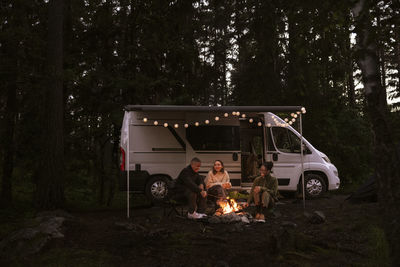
point(157, 142)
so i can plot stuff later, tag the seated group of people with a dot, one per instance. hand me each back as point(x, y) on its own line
point(263, 192)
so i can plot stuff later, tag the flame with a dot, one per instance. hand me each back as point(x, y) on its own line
point(228, 206)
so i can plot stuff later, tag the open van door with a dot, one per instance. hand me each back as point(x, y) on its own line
point(284, 151)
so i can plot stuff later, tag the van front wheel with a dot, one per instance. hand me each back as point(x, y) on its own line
point(315, 185)
point(157, 188)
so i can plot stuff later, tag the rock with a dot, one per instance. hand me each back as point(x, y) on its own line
point(289, 224)
point(230, 218)
point(214, 219)
point(31, 240)
point(316, 217)
point(245, 219)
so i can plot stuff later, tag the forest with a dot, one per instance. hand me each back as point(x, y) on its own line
point(68, 68)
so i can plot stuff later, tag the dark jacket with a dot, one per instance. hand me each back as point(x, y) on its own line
point(190, 179)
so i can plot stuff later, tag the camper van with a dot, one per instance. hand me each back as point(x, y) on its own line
point(157, 142)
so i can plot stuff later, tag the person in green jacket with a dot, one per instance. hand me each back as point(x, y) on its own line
point(264, 191)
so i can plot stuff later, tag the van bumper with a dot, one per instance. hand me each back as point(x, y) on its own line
point(334, 180)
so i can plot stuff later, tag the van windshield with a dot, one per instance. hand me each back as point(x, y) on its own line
point(285, 140)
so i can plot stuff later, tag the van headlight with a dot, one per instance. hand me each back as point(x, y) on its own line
point(327, 160)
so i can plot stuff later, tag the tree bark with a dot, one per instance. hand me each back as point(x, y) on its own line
point(8, 139)
point(386, 154)
point(50, 187)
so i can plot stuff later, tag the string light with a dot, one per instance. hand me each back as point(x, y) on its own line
point(217, 118)
point(144, 119)
point(186, 125)
point(251, 120)
point(233, 113)
point(295, 115)
point(243, 115)
point(292, 114)
point(290, 122)
point(259, 123)
point(165, 125)
point(176, 125)
point(268, 124)
point(303, 110)
point(155, 122)
point(237, 113)
point(207, 121)
point(226, 115)
point(293, 120)
point(196, 123)
point(286, 119)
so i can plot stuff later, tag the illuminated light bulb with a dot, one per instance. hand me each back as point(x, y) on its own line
point(243, 115)
point(144, 119)
point(292, 114)
point(286, 124)
point(268, 124)
point(295, 115)
point(290, 122)
point(233, 113)
point(186, 125)
point(303, 110)
point(196, 123)
point(155, 122)
point(286, 119)
point(207, 121)
point(217, 118)
point(176, 125)
point(165, 124)
point(251, 120)
point(226, 115)
point(259, 123)
point(298, 112)
point(293, 120)
point(237, 113)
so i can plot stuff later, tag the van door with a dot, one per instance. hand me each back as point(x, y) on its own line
point(251, 145)
point(285, 153)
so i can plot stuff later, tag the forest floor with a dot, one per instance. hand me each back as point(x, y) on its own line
point(350, 236)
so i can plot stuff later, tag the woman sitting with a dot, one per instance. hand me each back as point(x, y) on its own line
point(217, 181)
point(264, 191)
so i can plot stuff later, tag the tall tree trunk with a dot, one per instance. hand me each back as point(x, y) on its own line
point(8, 139)
point(386, 155)
point(50, 188)
point(350, 77)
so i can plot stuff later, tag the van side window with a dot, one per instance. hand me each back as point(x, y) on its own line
point(214, 137)
point(285, 140)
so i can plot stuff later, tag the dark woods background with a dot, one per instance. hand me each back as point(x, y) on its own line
point(67, 69)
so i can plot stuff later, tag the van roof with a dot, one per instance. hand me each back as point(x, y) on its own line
point(211, 108)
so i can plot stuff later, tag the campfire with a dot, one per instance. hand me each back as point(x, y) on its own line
point(227, 206)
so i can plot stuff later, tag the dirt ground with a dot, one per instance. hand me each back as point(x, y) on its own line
point(149, 238)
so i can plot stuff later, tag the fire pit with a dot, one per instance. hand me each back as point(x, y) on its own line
point(230, 211)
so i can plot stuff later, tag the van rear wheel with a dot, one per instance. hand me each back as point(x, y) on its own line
point(157, 188)
point(315, 185)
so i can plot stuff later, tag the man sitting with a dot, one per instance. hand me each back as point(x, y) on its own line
point(264, 191)
point(193, 186)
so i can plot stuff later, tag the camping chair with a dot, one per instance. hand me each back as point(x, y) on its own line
point(175, 198)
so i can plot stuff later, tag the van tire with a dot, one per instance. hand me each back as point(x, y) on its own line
point(157, 189)
point(315, 185)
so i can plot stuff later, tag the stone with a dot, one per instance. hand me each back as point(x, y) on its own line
point(31, 240)
point(316, 217)
point(289, 224)
point(214, 219)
